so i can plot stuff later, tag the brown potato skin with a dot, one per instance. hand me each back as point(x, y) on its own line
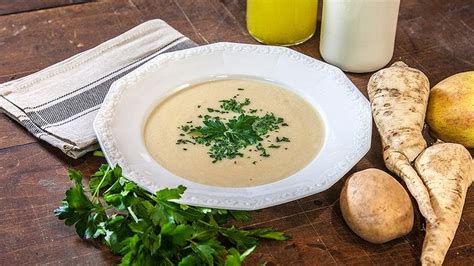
point(376, 207)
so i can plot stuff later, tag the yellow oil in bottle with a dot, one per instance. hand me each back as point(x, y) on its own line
point(281, 22)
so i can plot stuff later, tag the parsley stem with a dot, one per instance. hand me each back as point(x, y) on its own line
point(96, 191)
point(208, 224)
point(132, 214)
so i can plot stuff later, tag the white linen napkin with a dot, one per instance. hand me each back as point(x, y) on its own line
point(59, 103)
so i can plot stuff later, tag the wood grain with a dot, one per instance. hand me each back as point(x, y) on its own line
point(17, 6)
point(12, 134)
point(435, 36)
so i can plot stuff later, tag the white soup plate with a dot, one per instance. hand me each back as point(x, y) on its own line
point(345, 112)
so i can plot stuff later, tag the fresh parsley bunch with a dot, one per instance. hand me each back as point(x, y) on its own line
point(152, 229)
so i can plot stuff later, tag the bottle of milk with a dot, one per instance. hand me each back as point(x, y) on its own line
point(358, 35)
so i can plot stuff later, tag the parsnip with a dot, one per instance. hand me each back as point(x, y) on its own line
point(447, 170)
point(399, 96)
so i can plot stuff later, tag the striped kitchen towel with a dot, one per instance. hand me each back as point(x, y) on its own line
point(59, 104)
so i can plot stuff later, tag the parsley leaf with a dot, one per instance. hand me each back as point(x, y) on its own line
point(235, 258)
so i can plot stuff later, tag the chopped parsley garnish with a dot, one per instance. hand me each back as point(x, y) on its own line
point(234, 106)
point(184, 141)
point(227, 138)
point(263, 151)
point(282, 139)
point(185, 128)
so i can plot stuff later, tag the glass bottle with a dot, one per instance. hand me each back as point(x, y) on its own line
point(358, 35)
point(281, 22)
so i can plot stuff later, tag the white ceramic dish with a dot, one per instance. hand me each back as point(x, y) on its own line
point(345, 111)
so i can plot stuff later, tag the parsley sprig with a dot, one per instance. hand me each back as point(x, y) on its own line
point(152, 229)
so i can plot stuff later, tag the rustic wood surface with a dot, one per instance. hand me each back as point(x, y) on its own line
point(435, 36)
point(18, 6)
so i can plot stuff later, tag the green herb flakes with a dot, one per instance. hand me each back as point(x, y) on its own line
point(185, 128)
point(282, 139)
point(184, 141)
point(227, 138)
point(234, 106)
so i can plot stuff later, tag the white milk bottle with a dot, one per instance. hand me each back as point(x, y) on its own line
point(358, 35)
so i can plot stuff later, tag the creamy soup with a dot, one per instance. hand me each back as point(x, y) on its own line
point(281, 152)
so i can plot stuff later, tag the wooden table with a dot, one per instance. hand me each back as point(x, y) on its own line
point(435, 36)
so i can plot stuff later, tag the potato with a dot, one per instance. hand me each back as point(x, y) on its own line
point(375, 206)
